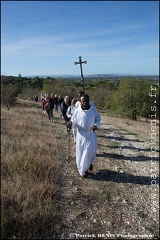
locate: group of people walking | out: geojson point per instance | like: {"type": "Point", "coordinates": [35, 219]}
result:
{"type": "Point", "coordinates": [84, 119]}
{"type": "Point", "coordinates": [51, 102]}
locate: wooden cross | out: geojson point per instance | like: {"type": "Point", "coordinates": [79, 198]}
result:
{"type": "Point", "coordinates": [80, 62]}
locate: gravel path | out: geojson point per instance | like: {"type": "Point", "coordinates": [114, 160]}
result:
{"type": "Point", "coordinates": [120, 198]}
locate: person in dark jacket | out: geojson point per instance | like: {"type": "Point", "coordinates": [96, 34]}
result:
{"type": "Point", "coordinates": [56, 102]}
{"type": "Point", "coordinates": [35, 98]}
{"type": "Point", "coordinates": [60, 101]}
{"type": "Point", "coordinates": [51, 101]}
{"type": "Point", "coordinates": [64, 107]}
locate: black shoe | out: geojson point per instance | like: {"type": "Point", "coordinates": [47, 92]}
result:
{"type": "Point", "coordinates": [91, 167]}
{"type": "Point", "coordinates": [85, 174]}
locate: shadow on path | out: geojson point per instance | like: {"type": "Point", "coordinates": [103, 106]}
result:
{"type": "Point", "coordinates": [120, 138]}
{"type": "Point", "coordinates": [106, 175]}
{"type": "Point", "coordinates": [131, 158]}
{"type": "Point", "coordinates": [127, 147]}
{"type": "Point", "coordinates": [130, 147]}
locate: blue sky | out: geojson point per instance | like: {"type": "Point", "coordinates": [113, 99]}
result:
{"type": "Point", "coordinates": [47, 37]}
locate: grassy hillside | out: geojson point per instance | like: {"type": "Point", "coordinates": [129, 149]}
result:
{"type": "Point", "coordinates": [43, 195]}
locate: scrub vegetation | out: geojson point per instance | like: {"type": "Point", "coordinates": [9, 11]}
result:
{"type": "Point", "coordinates": [126, 96]}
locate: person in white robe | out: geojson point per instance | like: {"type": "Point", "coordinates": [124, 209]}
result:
{"type": "Point", "coordinates": [86, 119]}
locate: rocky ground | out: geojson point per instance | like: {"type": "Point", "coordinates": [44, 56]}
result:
{"type": "Point", "coordinates": [120, 197]}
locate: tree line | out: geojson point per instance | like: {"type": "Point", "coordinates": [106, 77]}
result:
{"type": "Point", "coordinates": [127, 97]}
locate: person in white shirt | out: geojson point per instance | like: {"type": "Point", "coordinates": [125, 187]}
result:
{"type": "Point", "coordinates": [71, 109]}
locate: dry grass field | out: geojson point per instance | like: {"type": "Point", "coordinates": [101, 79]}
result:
{"type": "Point", "coordinates": [43, 196]}
{"type": "Point", "coordinates": [30, 169]}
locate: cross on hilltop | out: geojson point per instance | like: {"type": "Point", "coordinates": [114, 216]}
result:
{"type": "Point", "coordinates": [80, 63]}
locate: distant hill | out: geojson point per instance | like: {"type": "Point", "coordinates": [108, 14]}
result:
{"type": "Point", "coordinates": [95, 76]}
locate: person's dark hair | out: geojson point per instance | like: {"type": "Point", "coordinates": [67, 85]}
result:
{"type": "Point", "coordinates": [80, 94]}
{"type": "Point", "coordinates": [85, 96]}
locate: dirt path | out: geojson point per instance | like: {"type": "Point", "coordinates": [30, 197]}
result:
{"type": "Point", "coordinates": [119, 199]}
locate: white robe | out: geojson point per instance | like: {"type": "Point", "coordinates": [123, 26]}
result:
{"type": "Point", "coordinates": [86, 140]}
